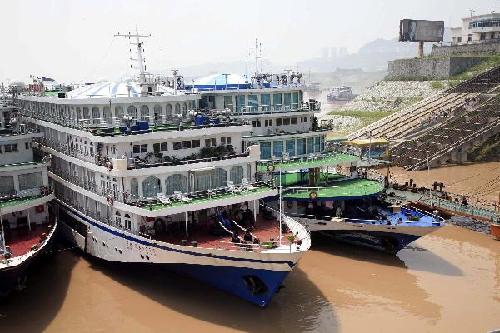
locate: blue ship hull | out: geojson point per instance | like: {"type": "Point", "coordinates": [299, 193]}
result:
{"type": "Point", "coordinates": [384, 241]}
{"type": "Point", "coordinates": [253, 285]}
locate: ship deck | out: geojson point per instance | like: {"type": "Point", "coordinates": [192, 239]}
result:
{"type": "Point", "coordinates": [21, 241]}
{"type": "Point", "coordinates": [265, 230]}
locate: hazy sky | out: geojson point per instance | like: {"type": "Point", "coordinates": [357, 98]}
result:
{"type": "Point", "coordinates": [73, 40]}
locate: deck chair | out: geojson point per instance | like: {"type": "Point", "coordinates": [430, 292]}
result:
{"type": "Point", "coordinates": [163, 198]}
{"type": "Point", "coordinates": [232, 188]}
{"type": "Point", "coordinates": [245, 185]}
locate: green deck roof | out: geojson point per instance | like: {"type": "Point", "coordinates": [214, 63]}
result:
{"type": "Point", "coordinates": [344, 190]}
{"type": "Point", "coordinates": [293, 178]}
{"type": "Point", "coordinates": [306, 163]}
{"type": "Point", "coordinates": [18, 201]}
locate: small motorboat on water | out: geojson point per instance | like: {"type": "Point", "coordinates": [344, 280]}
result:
{"type": "Point", "coordinates": [353, 211]}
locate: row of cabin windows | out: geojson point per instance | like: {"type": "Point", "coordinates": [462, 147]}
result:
{"type": "Point", "coordinates": [10, 148]}
{"type": "Point", "coordinates": [294, 147]}
{"type": "Point", "coordinates": [202, 181]}
{"type": "Point", "coordinates": [95, 112]}
{"type": "Point", "coordinates": [280, 101]}
{"type": "Point", "coordinates": [279, 122]}
{"type": "Point", "coordinates": [163, 146]}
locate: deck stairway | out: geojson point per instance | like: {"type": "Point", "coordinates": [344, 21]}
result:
{"type": "Point", "coordinates": [443, 127]}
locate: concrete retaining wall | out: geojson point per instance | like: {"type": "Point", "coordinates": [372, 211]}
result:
{"type": "Point", "coordinates": [429, 68]}
{"type": "Point", "coordinates": [480, 49]}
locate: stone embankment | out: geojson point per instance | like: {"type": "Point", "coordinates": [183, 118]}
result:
{"type": "Point", "coordinates": [391, 95]}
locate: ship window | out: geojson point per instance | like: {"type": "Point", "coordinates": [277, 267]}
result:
{"type": "Point", "coordinates": [195, 143]}
{"type": "Point", "coordinates": [290, 147]}
{"type": "Point", "coordinates": [134, 187]}
{"type": "Point", "coordinates": [301, 146]}
{"type": "Point", "coordinates": [176, 182]}
{"type": "Point", "coordinates": [95, 114]}
{"type": "Point", "coordinates": [228, 102]}
{"type": "Point", "coordinates": [106, 113]}
{"type": "Point", "coordinates": [151, 186]}
{"type": "Point", "coordinates": [317, 144]}
{"type": "Point", "coordinates": [294, 120]}
{"type": "Point", "coordinates": [156, 147]}
{"type": "Point", "coordinates": [295, 100]}
{"type": "Point", "coordinates": [310, 145]}
{"type": "Point", "coordinates": [9, 148]}
{"type": "Point", "coordinates": [236, 174]}
{"type": "Point", "coordinates": [277, 101]}
{"type": "Point", "coordinates": [256, 123]}
{"type": "Point", "coordinates": [169, 111]}
{"type": "Point", "coordinates": [164, 146]}
{"type": "Point", "coordinates": [287, 101]}
{"type": "Point", "coordinates": [119, 112]}
{"type": "Point", "coordinates": [30, 181]}
{"type": "Point", "coordinates": [86, 113]}
{"type": "Point", "coordinates": [286, 121]}
{"type": "Point", "coordinates": [240, 103]}
{"type": "Point", "coordinates": [158, 110]}
{"type": "Point", "coordinates": [177, 145]}
{"type": "Point", "coordinates": [277, 148]}
{"type": "Point", "coordinates": [252, 103]}
{"type": "Point", "coordinates": [7, 185]}
{"type": "Point", "coordinates": [144, 112]}
{"type": "Point", "coordinates": [118, 220]}
{"type": "Point", "coordinates": [265, 150]}
{"type": "Point", "coordinates": [186, 144]}
{"type": "Point", "coordinates": [265, 102]}
{"type": "Point", "coordinates": [128, 222]}
{"type": "Point", "coordinates": [132, 111]}
{"type": "Point", "coordinates": [279, 122]}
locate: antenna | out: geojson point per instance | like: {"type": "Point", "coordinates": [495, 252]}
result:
{"type": "Point", "coordinates": [472, 12]}
{"type": "Point", "coordinates": [257, 53]}
{"type": "Point", "coordinates": [138, 43]}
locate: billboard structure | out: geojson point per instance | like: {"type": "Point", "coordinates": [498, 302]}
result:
{"type": "Point", "coordinates": [420, 31]}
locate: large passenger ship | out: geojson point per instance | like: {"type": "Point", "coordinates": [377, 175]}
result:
{"type": "Point", "coordinates": [26, 227]}
{"type": "Point", "coordinates": [141, 175]}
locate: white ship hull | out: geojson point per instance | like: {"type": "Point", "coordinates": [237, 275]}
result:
{"type": "Point", "coordinates": [254, 276]}
{"type": "Point", "coordinates": [389, 238]}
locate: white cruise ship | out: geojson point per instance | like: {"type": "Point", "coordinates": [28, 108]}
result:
{"type": "Point", "coordinates": [140, 176]}
{"type": "Point", "coordinates": [26, 227]}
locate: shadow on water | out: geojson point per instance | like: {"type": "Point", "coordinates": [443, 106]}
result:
{"type": "Point", "coordinates": [420, 259]}
{"type": "Point", "coordinates": [33, 308]}
{"type": "Point", "coordinates": [376, 275]}
{"type": "Point", "coordinates": [299, 307]}
{"type": "Point", "coordinates": [412, 257]}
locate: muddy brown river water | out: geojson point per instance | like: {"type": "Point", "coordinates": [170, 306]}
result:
{"type": "Point", "coordinates": [448, 281]}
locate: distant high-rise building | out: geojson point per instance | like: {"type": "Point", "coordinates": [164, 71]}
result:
{"type": "Point", "coordinates": [333, 52]}
{"type": "Point", "coordinates": [342, 51]}
{"type": "Point", "coordinates": [324, 52]}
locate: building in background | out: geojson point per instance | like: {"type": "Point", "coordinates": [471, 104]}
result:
{"type": "Point", "coordinates": [476, 29]}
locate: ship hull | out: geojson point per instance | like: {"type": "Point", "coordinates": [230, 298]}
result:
{"type": "Point", "coordinates": [381, 241]}
{"type": "Point", "coordinates": [15, 276]}
{"type": "Point", "coordinates": [252, 276]}
{"type": "Point", "coordinates": [386, 238]}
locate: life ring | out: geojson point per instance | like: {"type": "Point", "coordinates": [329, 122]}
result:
{"type": "Point", "coordinates": [110, 200]}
